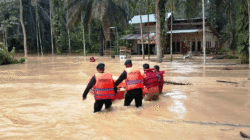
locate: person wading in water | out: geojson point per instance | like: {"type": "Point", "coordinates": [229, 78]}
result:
{"type": "Point", "coordinates": [104, 88]}
{"type": "Point", "coordinates": [151, 83]}
{"type": "Point", "coordinates": [134, 84]}
{"type": "Point", "coordinates": [160, 77]}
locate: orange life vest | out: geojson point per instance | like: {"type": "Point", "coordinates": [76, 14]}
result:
{"type": "Point", "coordinates": [104, 86]}
{"type": "Point", "coordinates": [134, 78]}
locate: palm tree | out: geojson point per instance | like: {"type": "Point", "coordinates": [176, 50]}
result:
{"type": "Point", "coordinates": [158, 31]}
{"type": "Point", "coordinates": [142, 39]}
{"type": "Point", "coordinates": [109, 12]}
{"type": "Point", "coordinates": [24, 31]}
{"type": "Point", "coordinates": [249, 36]}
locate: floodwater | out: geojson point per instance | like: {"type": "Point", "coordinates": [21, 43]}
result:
{"type": "Point", "coordinates": [42, 99]}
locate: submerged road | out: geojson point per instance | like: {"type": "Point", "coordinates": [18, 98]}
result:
{"type": "Point", "coordinates": [41, 99]}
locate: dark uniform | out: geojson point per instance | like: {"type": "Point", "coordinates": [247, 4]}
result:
{"type": "Point", "coordinates": [98, 103]}
{"type": "Point", "coordinates": [131, 94]}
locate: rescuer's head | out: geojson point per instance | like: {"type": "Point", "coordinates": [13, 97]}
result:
{"type": "Point", "coordinates": [128, 63]}
{"type": "Point", "coordinates": [145, 66]}
{"type": "Point", "coordinates": [100, 67]}
{"type": "Point", "coordinates": [157, 68]}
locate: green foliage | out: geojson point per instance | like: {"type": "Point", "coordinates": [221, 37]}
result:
{"type": "Point", "coordinates": [8, 57]}
{"type": "Point", "coordinates": [22, 60]}
{"type": "Point", "coordinates": [224, 50]}
{"type": "Point", "coordinates": [230, 56]}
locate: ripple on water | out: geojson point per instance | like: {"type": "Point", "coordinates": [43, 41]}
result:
{"type": "Point", "coordinates": [178, 106]}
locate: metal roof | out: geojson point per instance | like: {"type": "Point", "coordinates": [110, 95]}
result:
{"type": "Point", "coordinates": [138, 36]}
{"type": "Point", "coordinates": [185, 31]}
{"type": "Point", "coordinates": [136, 19]}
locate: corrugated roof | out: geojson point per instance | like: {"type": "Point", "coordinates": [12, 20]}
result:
{"type": "Point", "coordinates": [185, 31]}
{"type": "Point", "coordinates": [136, 19]}
{"type": "Point", "coordinates": [138, 36]}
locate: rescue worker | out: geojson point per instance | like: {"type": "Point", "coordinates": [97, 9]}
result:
{"type": "Point", "coordinates": [160, 77]}
{"type": "Point", "coordinates": [104, 89]}
{"type": "Point", "coordinates": [151, 83]}
{"type": "Point", "coordinates": [134, 84]}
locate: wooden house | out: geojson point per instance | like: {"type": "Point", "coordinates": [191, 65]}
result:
{"type": "Point", "coordinates": [187, 35]}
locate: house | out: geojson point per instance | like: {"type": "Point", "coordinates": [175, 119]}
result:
{"type": "Point", "coordinates": [187, 35]}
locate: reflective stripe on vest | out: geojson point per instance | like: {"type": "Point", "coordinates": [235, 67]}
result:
{"type": "Point", "coordinates": [104, 87]}
{"type": "Point", "coordinates": [131, 82]}
{"type": "Point", "coordinates": [134, 79]}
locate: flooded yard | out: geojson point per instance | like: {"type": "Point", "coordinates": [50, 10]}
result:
{"type": "Point", "coordinates": [42, 99]}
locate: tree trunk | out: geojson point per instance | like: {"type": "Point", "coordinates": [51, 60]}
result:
{"type": "Point", "coordinates": [37, 30]}
{"type": "Point", "coordinates": [204, 38]}
{"type": "Point", "coordinates": [40, 38]}
{"type": "Point", "coordinates": [101, 42]}
{"type": "Point", "coordinates": [141, 35]}
{"type": "Point", "coordinates": [83, 39]}
{"type": "Point", "coordinates": [69, 42]}
{"type": "Point", "coordinates": [171, 35]}
{"type": "Point", "coordinates": [158, 31]}
{"type": "Point", "coordinates": [4, 43]}
{"type": "Point", "coordinates": [148, 34]}
{"type": "Point", "coordinates": [249, 36]}
{"type": "Point", "coordinates": [24, 31]}
{"type": "Point", "coordinates": [6, 36]}
{"type": "Point", "coordinates": [89, 27]}
{"type": "Point", "coordinates": [51, 29]}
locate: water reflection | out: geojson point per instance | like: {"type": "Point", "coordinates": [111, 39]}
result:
{"type": "Point", "coordinates": [178, 106]}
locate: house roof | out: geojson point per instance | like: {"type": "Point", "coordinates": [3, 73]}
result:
{"type": "Point", "coordinates": [138, 36]}
{"type": "Point", "coordinates": [136, 19]}
{"type": "Point", "coordinates": [185, 31]}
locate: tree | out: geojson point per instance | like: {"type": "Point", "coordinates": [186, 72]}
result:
{"type": "Point", "coordinates": [142, 39]}
{"type": "Point", "coordinates": [249, 37]}
{"type": "Point", "coordinates": [109, 12]}
{"type": "Point", "coordinates": [158, 31]}
{"type": "Point", "coordinates": [204, 32]}
{"type": "Point", "coordinates": [24, 31]}
{"type": "Point", "coordinates": [51, 28]}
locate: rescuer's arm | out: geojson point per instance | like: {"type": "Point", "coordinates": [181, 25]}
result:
{"type": "Point", "coordinates": [121, 78]}
{"type": "Point", "coordinates": [115, 89]}
{"type": "Point", "coordinates": [90, 85]}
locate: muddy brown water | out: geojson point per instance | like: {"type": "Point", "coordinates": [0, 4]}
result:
{"type": "Point", "coordinates": [41, 99]}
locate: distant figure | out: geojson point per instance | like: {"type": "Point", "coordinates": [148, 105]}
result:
{"type": "Point", "coordinates": [151, 83]}
{"type": "Point", "coordinates": [134, 84]}
{"type": "Point", "coordinates": [104, 89]}
{"type": "Point", "coordinates": [92, 59]}
{"type": "Point", "coordinates": [160, 77]}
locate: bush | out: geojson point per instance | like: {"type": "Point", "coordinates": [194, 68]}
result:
{"type": "Point", "coordinates": [9, 57]}
{"type": "Point", "coordinates": [230, 56]}
{"type": "Point", "coordinates": [22, 60]}
{"type": "Point", "coordinates": [224, 50]}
